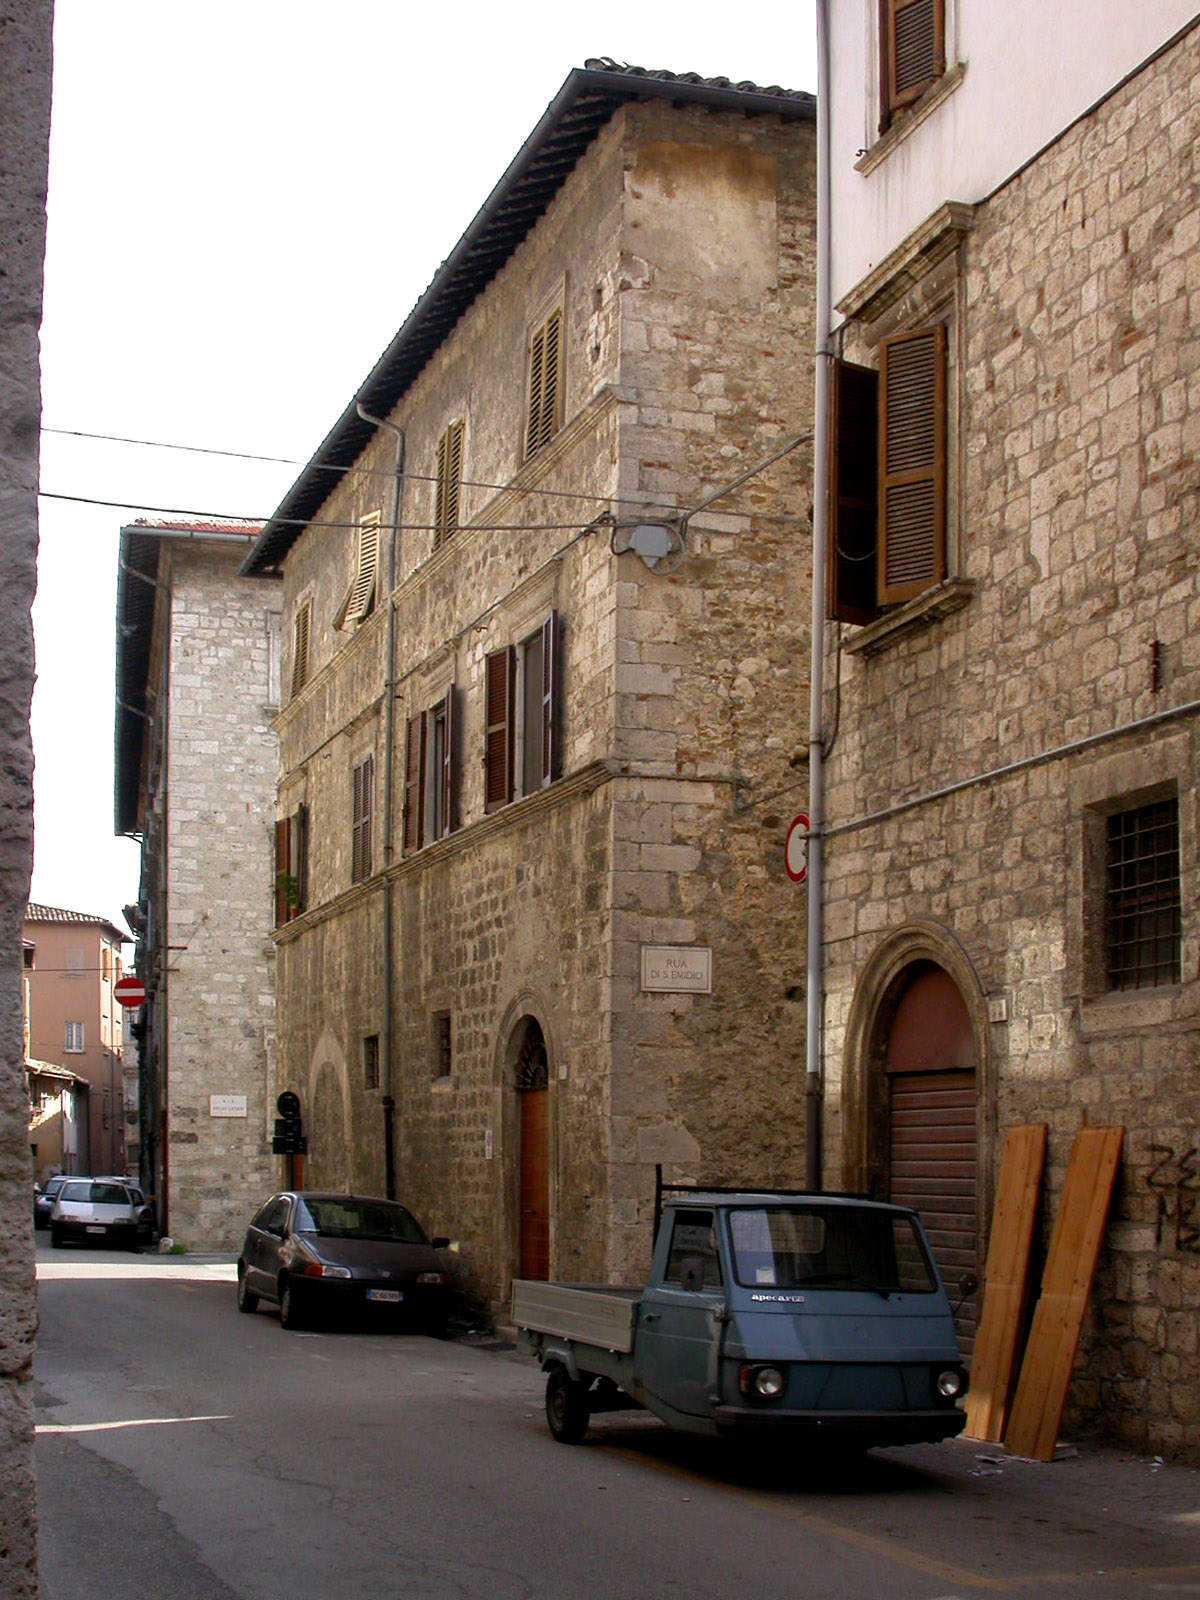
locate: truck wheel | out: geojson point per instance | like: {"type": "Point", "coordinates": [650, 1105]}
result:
{"type": "Point", "coordinates": [567, 1409]}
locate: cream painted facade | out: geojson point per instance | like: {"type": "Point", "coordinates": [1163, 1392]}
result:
{"type": "Point", "coordinates": [1010, 924]}
{"type": "Point", "coordinates": [525, 1078]}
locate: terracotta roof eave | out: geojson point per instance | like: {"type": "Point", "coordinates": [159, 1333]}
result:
{"type": "Point", "coordinates": [586, 101]}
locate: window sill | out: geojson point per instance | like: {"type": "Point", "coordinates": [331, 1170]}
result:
{"type": "Point", "coordinates": [1128, 1010]}
{"type": "Point", "coordinates": [928, 608]}
{"type": "Point", "coordinates": [911, 119]}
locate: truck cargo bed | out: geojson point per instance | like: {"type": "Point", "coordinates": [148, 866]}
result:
{"type": "Point", "coordinates": [598, 1314]}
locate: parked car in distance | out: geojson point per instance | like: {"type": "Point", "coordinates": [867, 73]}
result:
{"type": "Point", "coordinates": [341, 1254]}
{"type": "Point", "coordinates": [88, 1209]}
{"type": "Point", "coordinates": [44, 1198]}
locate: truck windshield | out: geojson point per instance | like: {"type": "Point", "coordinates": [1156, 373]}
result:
{"type": "Point", "coordinates": [829, 1247]}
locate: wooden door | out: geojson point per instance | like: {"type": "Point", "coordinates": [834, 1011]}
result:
{"type": "Point", "coordinates": [933, 1141]}
{"type": "Point", "coordinates": [534, 1196]}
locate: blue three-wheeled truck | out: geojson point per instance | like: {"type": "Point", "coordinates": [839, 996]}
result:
{"type": "Point", "coordinates": [763, 1312]}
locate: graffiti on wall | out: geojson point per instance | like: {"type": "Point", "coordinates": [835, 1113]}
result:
{"type": "Point", "coordinates": [1175, 1181]}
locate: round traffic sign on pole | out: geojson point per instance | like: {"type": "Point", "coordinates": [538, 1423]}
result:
{"type": "Point", "coordinates": [795, 852]}
{"type": "Point", "coordinates": [129, 991]}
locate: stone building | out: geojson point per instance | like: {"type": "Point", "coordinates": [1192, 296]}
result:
{"type": "Point", "coordinates": [197, 692]}
{"type": "Point", "coordinates": [76, 1022]}
{"type": "Point", "coordinates": [1011, 933]}
{"type": "Point", "coordinates": [25, 118]}
{"type": "Point", "coordinates": [538, 750]}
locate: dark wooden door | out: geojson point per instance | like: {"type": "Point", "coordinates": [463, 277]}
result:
{"type": "Point", "coordinates": [534, 1200]}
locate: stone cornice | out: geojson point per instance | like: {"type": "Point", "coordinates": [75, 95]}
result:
{"type": "Point", "coordinates": [904, 267]}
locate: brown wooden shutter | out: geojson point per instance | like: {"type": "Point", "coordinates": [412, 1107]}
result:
{"type": "Point", "coordinates": [448, 821]}
{"type": "Point", "coordinates": [912, 463]}
{"type": "Point", "coordinates": [498, 749]}
{"type": "Point", "coordinates": [913, 50]}
{"type": "Point", "coordinates": [414, 783]}
{"type": "Point", "coordinates": [299, 858]}
{"type": "Point", "coordinates": [551, 645]}
{"type": "Point", "coordinates": [545, 383]}
{"type": "Point", "coordinates": [283, 828]}
{"type": "Point", "coordinates": [360, 855]}
{"type": "Point", "coordinates": [449, 476]}
{"type": "Point", "coordinates": [300, 631]}
{"type": "Point", "coordinates": [851, 568]}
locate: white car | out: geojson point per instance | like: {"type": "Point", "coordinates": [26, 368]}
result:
{"type": "Point", "coordinates": [100, 1209]}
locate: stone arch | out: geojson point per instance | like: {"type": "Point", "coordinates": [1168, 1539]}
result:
{"type": "Point", "coordinates": [910, 954]}
{"type": "Point", "coordinates": [328, 1120]}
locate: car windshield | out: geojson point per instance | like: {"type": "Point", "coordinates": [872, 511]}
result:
{"type": "Point", "coordinates": [358, 1219]}
{"type": "Point", "coordinates": [829, 1247]}
{"type": "Point", "coordinates": [75, 1191]}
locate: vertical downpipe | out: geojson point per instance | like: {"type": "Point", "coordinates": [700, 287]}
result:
{"type": "Point", "coordinates": [813, 1044]}
{"type": "Point", "coordinates": [385, 1034]}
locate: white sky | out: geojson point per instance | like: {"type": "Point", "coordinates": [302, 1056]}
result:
{"type": "Point", "coordinates": [247, 197]}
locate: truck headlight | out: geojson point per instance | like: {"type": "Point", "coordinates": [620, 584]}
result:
{"type": "Point", "coordinates": [767, 1383]}
{"type": "Point", "coordinates": [949, 1383]}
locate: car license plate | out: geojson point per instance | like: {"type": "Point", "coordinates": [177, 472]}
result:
{"type": "Point", "coordinates": [392, 1296]}
{"type": "Point", "coordinates": [93, 1227]}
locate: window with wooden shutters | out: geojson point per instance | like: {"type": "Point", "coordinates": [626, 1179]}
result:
{"type": "Point", "coordinates": [912, 51]}
{"type": "Point", "coordinates": [301, 628]}
{"type": "Point", "coordinates": [544, 415]}
{"type": "Point", "coordinates": [443, 766]}
{"type": "Point", "coordinates": [359, 601]}
{"type": "Point", "coordinates": [363, 797]}
{"type": "Point", "coordinates": [449, 477]}
{"type": "Point", "coordinates": [853, 528]}
{"type": "Point", "coordinates": [912, 463]}
{"type": "Point", "coordinates": [414, 783]}
{"type": "Point", "coordinates": [500, 675]}
{"type": "Point", "coordinates": [548, 733]}
{"type": "Point", "coordinates": [291, 865]}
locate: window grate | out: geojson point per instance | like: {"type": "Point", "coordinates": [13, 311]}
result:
{"type": "Point", "coordinates": [1143, 916]}
{"type": "Point", "coordinates": [371, 1061]}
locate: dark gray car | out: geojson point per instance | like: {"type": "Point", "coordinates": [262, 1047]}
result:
{"type": "Point", "coordinates": [318, 1254]}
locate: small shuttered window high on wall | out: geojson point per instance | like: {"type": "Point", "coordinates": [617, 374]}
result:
{"type": "Point", "coordinates": [912, 463]}
{"type": "Point", "coordinates": [500, 680]}
{"type": "Point", "coordinates": [912, 51]}
{"type": "Point", "coordinates": [359, 601]}
{"type": "Point", "coordinates": [301, 627]}
{"type": "Point", "coordinates": [449, 476]}
{"type": "Point", "coordinates": [544, 415]}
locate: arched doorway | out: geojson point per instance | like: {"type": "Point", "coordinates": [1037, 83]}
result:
{"type": "Point", "coordinates": [931, 1067]}
{"type": "Point", "coordinates": [533, 1135]}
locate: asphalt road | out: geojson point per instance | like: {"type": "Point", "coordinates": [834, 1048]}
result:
{"type": "Point", "coordinates": [186, 1452]}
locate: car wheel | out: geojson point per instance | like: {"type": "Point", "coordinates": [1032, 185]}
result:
{"type": "Point", "coordinates": [289, 1311]}
{"type": "Point", "coordinates": [567, 1409]}
{"type": "Point", "coordinates": [246, 1298]}
{"type": "Point", "coordinates": [56, 1238]}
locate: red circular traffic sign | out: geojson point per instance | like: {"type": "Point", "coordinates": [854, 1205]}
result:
{"type": "Point", "coordinates": [129, 991]}
{"type": "Point", "coordinates": [795, 851]}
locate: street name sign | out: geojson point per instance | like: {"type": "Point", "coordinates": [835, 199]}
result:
{"type": "Point", "coordinates": [676, 969]}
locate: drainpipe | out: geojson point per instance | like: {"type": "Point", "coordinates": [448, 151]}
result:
{"type": "Point", "coordinates": [814, 1076]}
{"type": "Point", "coordinates": [385, 1033]}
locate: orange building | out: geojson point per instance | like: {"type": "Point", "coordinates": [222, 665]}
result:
{"type": "Point", "coordinates": [74, 1021]}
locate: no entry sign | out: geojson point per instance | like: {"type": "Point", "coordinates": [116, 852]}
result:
{"type": "Point", "coordinates": [129, 991]}
{"type": "Point", "coordinates": [795, 855]}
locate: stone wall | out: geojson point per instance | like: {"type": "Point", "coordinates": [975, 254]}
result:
{"type": "Point", "coordinates": [1077, 439]}
{"type": "Point", "coordinates": [221, 765]}
{"type": "Point", "coordinates": [25, 116]}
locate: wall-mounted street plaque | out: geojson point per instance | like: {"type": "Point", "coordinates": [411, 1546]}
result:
{"type": "Point", "coordinates": [677, 969]}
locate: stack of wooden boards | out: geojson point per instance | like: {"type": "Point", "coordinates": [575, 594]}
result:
{"type": "Point", "coordinates": [1027, 1421]}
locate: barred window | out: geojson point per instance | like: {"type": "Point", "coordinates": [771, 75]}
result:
{"type": "Point", "coordinates": [1142, 909]}
{"type": "Point", "coordinates": [371, 1061]}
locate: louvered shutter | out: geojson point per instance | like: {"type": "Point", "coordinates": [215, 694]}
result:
{"type": "Point", "coordinates": [283, 829]}
{"type": "Point", "coordinates": [498, 749]}
{"type": "Point", "coordinates": [298, 858]}
{"type": "Point", "coordinates": [453, 475]}
{"type": "Point", "coordinates": [362, 595]}
{"type": "Point", "coordinates": [414, 783]}
{"type": "Point", "coordinates": [853, 531]}
{"type": "Point", "coordinates": [551, 647]}
{"type": "Point", "coordinates": [545, 383]}
{"type": "Point", "coordinates": [912, 464]}
{"type": "Point", "coordinates": [300, 632]}
{"type": "Point", "coordinates": [914, 50]}
{"type": "Point", "coordinates": [360, 855]}
{"type": "Point", "coordinates": [448, 821]}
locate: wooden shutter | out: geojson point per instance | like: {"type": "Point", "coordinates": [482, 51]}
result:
{"type": "Point", "coordinates": [283, 909]}
{"type": "Point", "coordinates": [364, 784]}
{"type": "Point", "coordinates": [299, 858]}
{"type": "Point", "coordinates": [498, 749]}
{"type": "Point", "coordinates": [912, 463]}
{"type": "Point", "coordinates": [448, 821]}
{"type": "Point", "coordinates": [291, 865]}
{"type": "Point", "coordinates": [851, 569]}
{"type": "Point", "coordinates": [414, 783]}
{"type": "Point", "coordinates": [913, 51]}
{"type": "Point", "coordinates": [362, 594]}
{"type": "Point", "coordinates": [449, 476]}
{"type": "Point", "coordinates": [301, 626]}
{"type": "Point", "coordinates": [545, 383]}
{"type": "Point", "coordinates": [551, 642]}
